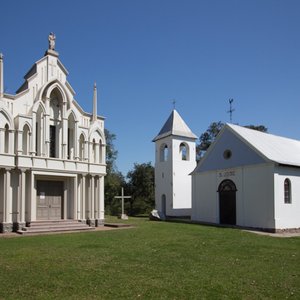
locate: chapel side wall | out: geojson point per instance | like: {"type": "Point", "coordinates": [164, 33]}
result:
{"type": "Point", "coordinates": [204, 197]}
{"type": "Point", "coordinates": [257, 197]}
{"type": "Point", "coordinates": [287, 215]}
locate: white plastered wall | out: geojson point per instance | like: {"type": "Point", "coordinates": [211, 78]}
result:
{"type": "Point", "coordinates": [254, 196]}
{"type": "Point", "coordinates": [287, 215]}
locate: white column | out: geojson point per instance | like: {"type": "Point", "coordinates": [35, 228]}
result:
{"type": "Point", "coordinates": [66, 198]}
{"type": "Point", "coordinates": [79, 197]}
{"type": "Point", "coordinates": [33, 135]}
{"type": "Point", "coordinates": [75, 195]}
{"type": "Point", "coordinates": [97, 182]}
{"type": "Point", "coordinates": [7, 212]}
{"type": "Point", "coordinates": [22, 196]}
{"type": "Point", "coordinates": [2, 138]}
{"type": "Point", "coordinates": [47, 127]}
{"type": "Point", "coordinates": [83, 193]}
{"type": "Point", "coordinates": [89, 196]}
{"type": "Point", "coordinates": [101, 198]}
{"type": "Point", "coordinates": [76, 142]}
{"type": "Point", "coordinates": [20, 141]}
{"type": "Point", "coordinates": [92, 201]}
{"type": "Point", "coordinates": [65, 131]}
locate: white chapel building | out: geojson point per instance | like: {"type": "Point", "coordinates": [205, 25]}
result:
{"type": "Point", "coordinates": [246, 178]}
{"type": "Point", "coordinates": [52, 153]}
{"type": "Point", "coordinates": [250, 179]}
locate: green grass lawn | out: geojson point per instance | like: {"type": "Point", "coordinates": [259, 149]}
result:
{"type": "Point", "coordinates": [154, 260]}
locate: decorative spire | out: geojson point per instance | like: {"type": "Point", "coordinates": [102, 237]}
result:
{"type": "Point", "coordinates": [95, 103]}
{"type": "Point", "coordinates": [1, 76]}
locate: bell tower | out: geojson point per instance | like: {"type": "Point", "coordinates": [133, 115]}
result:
{"type": "Point", "coordinates": [175, 159]}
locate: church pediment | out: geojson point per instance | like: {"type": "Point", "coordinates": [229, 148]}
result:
{"type": "Point", "coordinates": [229, 151]}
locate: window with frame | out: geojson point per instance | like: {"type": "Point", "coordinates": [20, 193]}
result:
{"type": "Point", "coordinates": [287, 191]}
{"type": "Point", "coordinates": [164, 153]}
{"type": "Point", "coordinates": [184, 151]}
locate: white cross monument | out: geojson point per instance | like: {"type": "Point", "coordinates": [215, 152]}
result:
{"type": "Point", "coordinates": [123, 215]}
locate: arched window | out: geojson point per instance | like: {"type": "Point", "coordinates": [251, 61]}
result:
{"type": "Point", "coordinates": [101, 158]}
{"type": "Point", "coordinates": [56, 125]}
{"type": "Point", "coordinates": [184, 151]}
{"type": "Point", "coordinates": [164, 152]}
{"type": "Point", "coordinates": [39, 132]}
{"type": "Point", "coordinates": [94, 153]}
{"type": "Point", "coordinates": [71, 137]}
{"type": "Point", "coordinates": [25, 140]}
{"type": "Point", "coordinates": [6, 139]}
{"type": "Point", "coordinates": [287, 191]}
{"type": "Point", "coordinates": [81, 147]}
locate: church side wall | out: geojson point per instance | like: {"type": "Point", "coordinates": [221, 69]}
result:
{"type": "Point", "coordinates": [205, 197]}
{"type": "Point", "coordinates": [258, 197]}
{"type": "Point", "coordinates": [287, 215]}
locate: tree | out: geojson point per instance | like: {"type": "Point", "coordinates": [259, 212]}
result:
{"type": "Point", "coordinates": [208, 137]}
{"type": "Point", "coordinates": [114, 180]}
{"type": "Point", "coordinates": [111, 152]}
{"type": "Point", "coordinates": [141, 188]}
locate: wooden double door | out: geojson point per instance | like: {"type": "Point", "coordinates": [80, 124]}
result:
{"type": "Point", "coordinates": [49, 200]}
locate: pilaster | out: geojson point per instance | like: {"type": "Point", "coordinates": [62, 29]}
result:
{"type": "Point", "coordinates": [6, 225]}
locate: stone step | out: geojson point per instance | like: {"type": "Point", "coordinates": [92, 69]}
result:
{"type": "Point", "coordinates": [54, 222]}
{"type": "Point", "coordinates": [55, 226]}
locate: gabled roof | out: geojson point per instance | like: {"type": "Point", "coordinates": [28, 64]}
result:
{"type": "Point", "coordinates": [275, 148]}
{"type": "Point", "coordinates": [175, 126]}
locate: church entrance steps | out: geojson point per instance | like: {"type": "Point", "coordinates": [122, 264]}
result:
{"type": "Point", "coordinates": [55, 226]}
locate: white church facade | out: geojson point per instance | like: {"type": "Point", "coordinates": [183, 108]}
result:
{"type": "Point", "coordinates": [52, 153]}
{"type": "Point", "coordinates": [246, 178]}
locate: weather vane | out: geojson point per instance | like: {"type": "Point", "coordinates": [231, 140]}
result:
{"type": "Point", "coordinates": [174, 103]}
{"type": "Point", "coordinates": [231, 110]}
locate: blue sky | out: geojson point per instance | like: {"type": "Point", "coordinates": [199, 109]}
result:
{"type": "Point", "coordinates": [143, 54]}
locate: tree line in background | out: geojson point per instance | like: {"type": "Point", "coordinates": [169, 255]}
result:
{"type": "Point", "coordinates": [139, 182]}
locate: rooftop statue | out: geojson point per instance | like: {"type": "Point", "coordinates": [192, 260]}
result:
{"type": "Point", "coordinates": [51, 39]}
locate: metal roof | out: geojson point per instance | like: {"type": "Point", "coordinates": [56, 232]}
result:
{"type": "Point", "coordinates": [279, 149]}
{"type": "Point", "coordinates": [175, 126]}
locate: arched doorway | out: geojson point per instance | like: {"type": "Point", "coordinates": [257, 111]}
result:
{"type": "Point", "coordinates": [227, 202]}
{"type": "Point", "coordinates": [163, 204]}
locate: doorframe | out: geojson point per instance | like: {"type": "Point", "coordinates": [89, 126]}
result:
{"type": "Point", "coordinates": [227, 186]}
{"type": "Point", "coordinates": [31, 214]}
